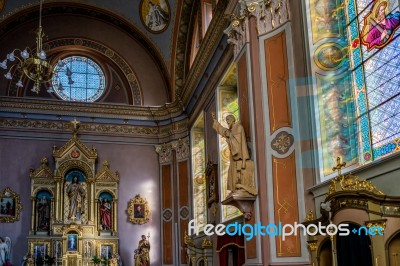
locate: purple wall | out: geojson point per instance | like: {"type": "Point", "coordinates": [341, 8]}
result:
{"type": "Point", "coordinates": [139, 173]}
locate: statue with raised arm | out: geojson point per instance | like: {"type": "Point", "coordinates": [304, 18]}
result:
{"type": "Point", "coordinates": [241, 168]}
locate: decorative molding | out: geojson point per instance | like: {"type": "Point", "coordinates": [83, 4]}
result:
{"type": "Point", "coordinates": [43, 172]}
{"type": "Point", "coordinates": [238, 33]}
{"type": "Point", "coordinates": [352, 183]}
{"type": "Point", "coordinates": [182, 148]}
{"type": "Point", "coordinates": [269, 14]}
{"type": "Point", "coordinates": [106, 175]}
{"type": "Point", "coordinates": [164, 153]}
{"type": "Point", "coordinates": [167, 215]}
{"type": "Point", "coordinates": [378, 224]}
{"type": "Point", "coordinates": [312, 245]}
{"type": "Point", "coordinates": [282, 142]}
{"type": "Point", "coordinates": [184, 212]}
{"type": "Point", "coordinates": [156, 113]}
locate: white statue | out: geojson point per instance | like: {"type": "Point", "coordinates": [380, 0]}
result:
{"type": "Point", "coordinates": [5, 250]}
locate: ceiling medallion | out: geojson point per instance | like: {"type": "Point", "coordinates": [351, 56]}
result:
{"type": "Point", "coordinates": [155, 15]}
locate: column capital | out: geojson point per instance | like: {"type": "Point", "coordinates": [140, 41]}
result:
{"type": "Point", "coordinates": [182, 148]}
{"type": "Point", "coordinates": [164, 153]}
{"type": "Point", "coordinates": [269, 15]}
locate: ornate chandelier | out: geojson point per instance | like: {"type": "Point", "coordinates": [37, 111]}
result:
{"type": "Point", "coordinates": [31, 62]}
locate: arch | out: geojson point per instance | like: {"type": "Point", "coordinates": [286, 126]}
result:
{"type": "Point", "coordinates": [71, 164]}
{"type": "Point", "coordinates": [353, 249]}
{"type": "Point", "coordinates": [38, 189]}
{"type": "Point", "coordinates": [98, 193]}
{"type": "Point", "coordinates": [392, 248]}
{"type": "Point", "coordinates": [30, 13]}
{"type": "Point", "coordinates": [324, 253]}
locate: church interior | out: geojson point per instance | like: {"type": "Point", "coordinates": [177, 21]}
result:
{"type": "Point", "coordinates": [205, 132]}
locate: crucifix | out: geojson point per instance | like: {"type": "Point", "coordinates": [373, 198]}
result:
{"type": "Point", "coordinates": [339, 166]}
{"type": "Point", "coordinates": [75, 124]}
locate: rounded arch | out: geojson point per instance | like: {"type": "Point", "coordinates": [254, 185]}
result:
{"type": "Point", "coordinates": [98, 193]}
{"type": "Point", "coordinates": [324, 252]}
{"type": "Point", "coordinates": [149, 53]}
{"type": "Point", "coordinates": [39, 189]}
{"type": "Point", "coordinates": [74, 164]}
{"type": "Point", "coordinates": [392, 248]}
{"type": "Point", "coordinates": [353, 249]}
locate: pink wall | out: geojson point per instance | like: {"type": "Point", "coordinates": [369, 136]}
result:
{"type": "Point", "coordinates": [138, 168]}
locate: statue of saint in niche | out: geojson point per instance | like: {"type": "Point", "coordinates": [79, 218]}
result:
{"type": "Point", "coordinates": [105, 214]}
{"type": "Point", "coordinates": [241, 168]}
{"type": "Point", "coordinates": [43, 209]}
{"type": "Point", "coordinates": [76, 194]}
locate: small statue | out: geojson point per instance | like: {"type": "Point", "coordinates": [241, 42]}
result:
{"type": "Point", "coordinates": [5, 250]}
{"type": "Point", "coordinates": [241, 168]}
{"type": "Point", "coordinates": [142, 253]}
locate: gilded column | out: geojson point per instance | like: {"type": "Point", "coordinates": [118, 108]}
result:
{"type": "Point", "coordinates": [33, 226]}
{"type": "Point", "coordinates": [90, 205]}
{"type": "Point", "coordinates": [58, 199]}
{"type": "Point", "coordinates": [115, 224]}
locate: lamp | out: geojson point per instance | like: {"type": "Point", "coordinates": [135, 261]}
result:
{"type": "Point", "coordinates": [31, 63]}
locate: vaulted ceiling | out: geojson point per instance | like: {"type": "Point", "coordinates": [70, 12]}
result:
{"type": "Point", "coordinates": [165, 47]}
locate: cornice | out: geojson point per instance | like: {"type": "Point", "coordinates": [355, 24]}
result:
{"type": "Point", "coordinates": [103, 110]}
{"type": "Point", "coordinates": [159, 134]}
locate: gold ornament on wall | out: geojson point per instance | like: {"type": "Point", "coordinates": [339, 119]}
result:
{"type": "Point", "coordinates": [138, 210]}
{"type": "Point", "coordinates": [10, 206]}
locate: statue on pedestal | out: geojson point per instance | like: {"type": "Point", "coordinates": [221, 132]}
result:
{"type": "Point", "coordinates": [76, 194]}
{"type": "Point", "coordinates": [142, 253]}
{"type": "Point", "coordinates": [241, 168]}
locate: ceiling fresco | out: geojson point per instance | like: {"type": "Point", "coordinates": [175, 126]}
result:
{"type": "Point", "coordinates": [159, 29]}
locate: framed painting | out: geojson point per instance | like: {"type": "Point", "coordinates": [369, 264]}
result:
{"type": "Point", "coordinates": [72, 242]}
{"type": "Point", "coordinates": [106, 251]}
{"type": "Point", "coordinates": [212, 183]}
{"type": "Point", "coordinates": [155, 15]}
{"type": "Point", "coordinates": [138, 210]}
{"type": "Point", "coordinates": [10, 206]}
{"type": "Point", "coordinates": [39, 252]}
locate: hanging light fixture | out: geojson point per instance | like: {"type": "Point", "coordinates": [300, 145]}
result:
{"type": "Point", "coordinates": [31, 63]}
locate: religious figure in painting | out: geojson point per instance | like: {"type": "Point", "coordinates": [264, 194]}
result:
{"type": "Point", "coordinates": [105, 214]}
{"type": "Point", "coordinates": [76, 194]}
{"type": "Point", "coordinates": [43, 214]}
{"type": "Point", "coordinates": [5, 251]}
{"type": "Point", "coordinates": [142, 253]}
{"type": "Point", "coordinates": [379, 25]}
{"type": "Point", "coordinates": [157, 17]}
{"type": "Point", "coordinates": [241, 168]}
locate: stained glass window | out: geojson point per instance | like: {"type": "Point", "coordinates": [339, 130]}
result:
{"type": "Point", "coordinates": [78, 78]}
{"type": "Point", "coordinates": [373, 28]}
{"type": "Point", "coordinates": [198, 173]}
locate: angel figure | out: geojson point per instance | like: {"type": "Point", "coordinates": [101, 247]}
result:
{"type": "Point", "coordinates": [5, 250]}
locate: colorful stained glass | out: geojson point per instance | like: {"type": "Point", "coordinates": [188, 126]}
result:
{"type": "Point", "coordinates": [376, 73]}
{"type": "Point", "coordinates": [78, 78]}
{"type": "Point", "coordinates": [198, 173]}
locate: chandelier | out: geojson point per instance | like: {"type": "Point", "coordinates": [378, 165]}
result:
{"type": "Point", "coordinates": [31, 62]}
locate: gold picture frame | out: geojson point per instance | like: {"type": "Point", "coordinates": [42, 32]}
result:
{"type": "Point", "coordinates": [138, 210]}
{"type": "Point", "coordinates": [10, 206]}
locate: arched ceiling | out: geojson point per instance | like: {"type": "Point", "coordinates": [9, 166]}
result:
{"type": "Point", "coordinates": [128, 10]}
